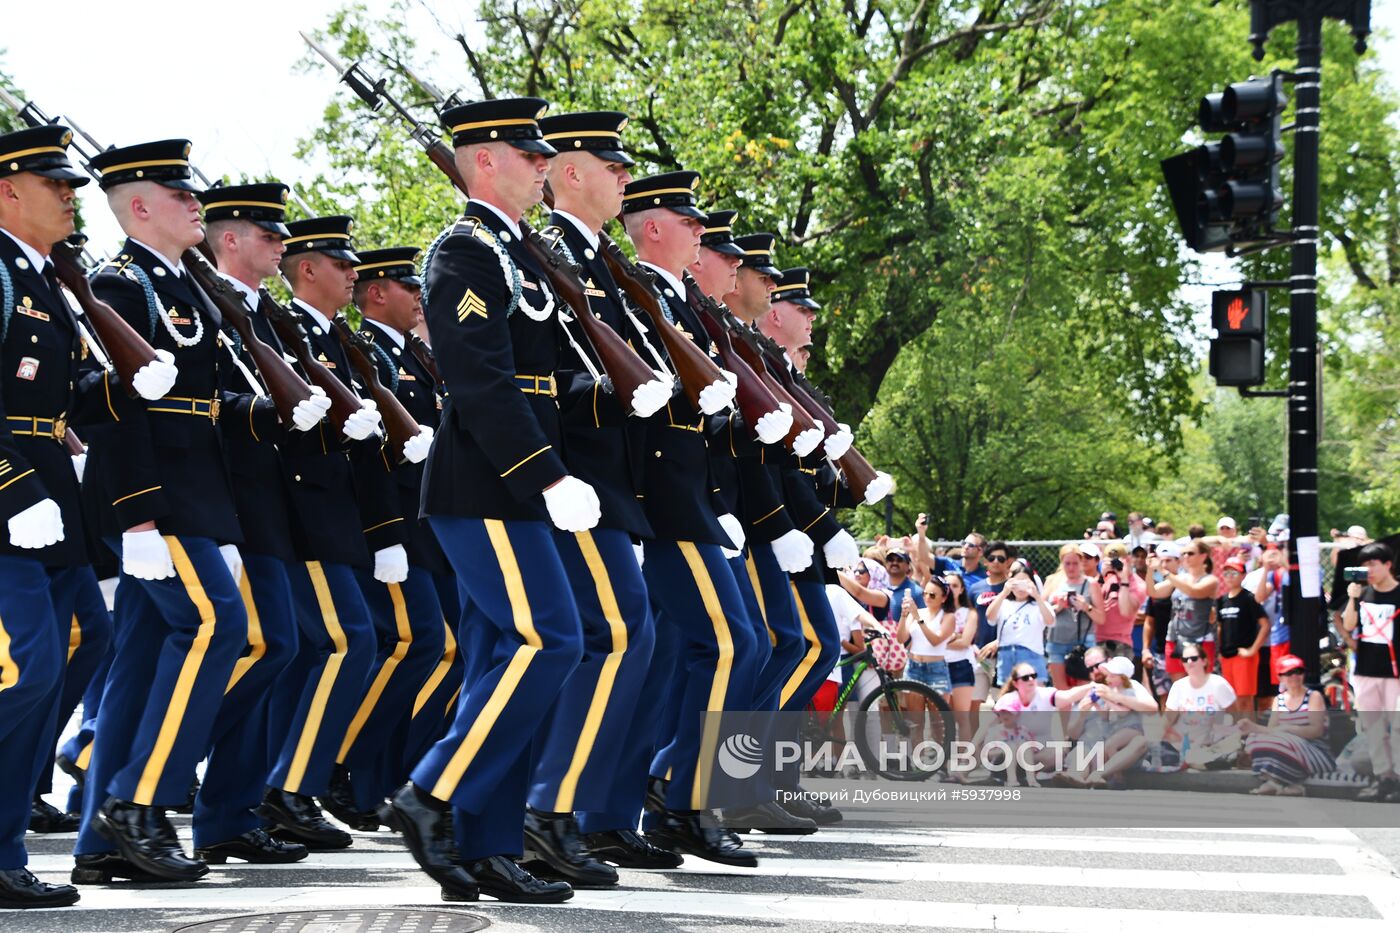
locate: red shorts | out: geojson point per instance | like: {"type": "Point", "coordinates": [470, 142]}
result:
{"type": "Point", "coordinates": [1174, 665]}
{"type": "Point", "coordinates": [1242, 674]}
{"type": "Point", "coordinates": [1276, 652]}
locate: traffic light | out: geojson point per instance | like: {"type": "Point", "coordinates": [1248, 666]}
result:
{"type": "Point", "coordinates": [1237, 350]}
{"type": "Point", "coordinates": [1228, 191]}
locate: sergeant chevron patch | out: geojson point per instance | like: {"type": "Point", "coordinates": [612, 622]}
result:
{"type": "Point", "coordinates": [470, 304]}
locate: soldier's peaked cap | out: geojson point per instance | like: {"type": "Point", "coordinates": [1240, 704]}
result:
{"type": "Point", "coordinates": [42, 150]}
{"type": "Point", "coordinates": [596, 131]}
{"type": "Point", "coordinates": [329, 235]}
{"type": "Point", "coordinates": [758, 252]}
{"type": "Point", "coordinates": [673, 190]}
{"type": "Point", "coordinates": [719, 233]}
{"type": "Point", "coordinates": [513, 120]}
{"type": "Point", "coordinates": [395, 262]}
{"type": "Point", "coordinates": [795, 285]}
{"type": "Point", "coordinates": [165, 161]}
{"type": "Point", "coordinates": [263, 203]}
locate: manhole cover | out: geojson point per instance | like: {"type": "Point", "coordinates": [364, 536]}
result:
{"type": "Point", "coordinates": [344, 921]}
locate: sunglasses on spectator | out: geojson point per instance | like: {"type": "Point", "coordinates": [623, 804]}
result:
{"type": "Point", "coordinates": [968, 544]}
{"type": "Point", "coordinates": [1187, 659]}
{"type": "Point", "coordinates": [1299, 671]}
{"type": "Point", "coordinates": [997, 558]}
{"type": "Point", "coordinates": [862, 569]}
{"type": "Point", "coordinates": [1094, 667]}
{"type": "Point", "coordinates": [1023, 678]}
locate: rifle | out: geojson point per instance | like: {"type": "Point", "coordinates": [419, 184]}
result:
{"type": "Point", "coordinates": [398, 423]}
{"type": "Point", "coordinates": [344, 402]}
{"type": "Point", "coordinates": [424, 354]}
{"type": "Point", "coordinates": [625, 370]}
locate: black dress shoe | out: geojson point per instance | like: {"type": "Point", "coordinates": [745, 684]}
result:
{"type": "Point", "coordinates": [20, 889]}
{"type": "Point", "coordinates": [500, 877]}
{"type": "Point", "coordinates": [254, 846]}
{"type": "Point", "coordinates": [340, 803]}
{"type": "Point", "coordinates": [626, 848]}
{"type": "Point", "coordinates": [188, 805]}
{"type": "Point", "coordinates": [656, 794]}
{"type": "Point", "coordinates": [698, 834]}
{"type": "Point", "coordinates": [106, 867]}
{"type": "Point", "coordinates": [297, 818]}
{"type": "Point", "coordinates": [804, 808]}
{"type": "Point", "coordinates": [70, 767]}
{"type": "Point", "coordinates": [431, 839]}
{"type": "Point", "coordinates": [553, 839]}
{"type": "Point", "coordinates": [768, 817]}
{"type": "Point", "coordinates": [144, 838]}
{"type": "Point", "coordinates": [44, 817]}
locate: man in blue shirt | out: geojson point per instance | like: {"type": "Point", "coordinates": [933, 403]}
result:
{"type": "Point", "coordinates": [897, 563]}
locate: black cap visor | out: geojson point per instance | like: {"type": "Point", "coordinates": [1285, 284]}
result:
{"type": "Point", "coordinates": [613, 155]}
{"type": "Point", "coordinates": [765, 269]}
{"type": "Point", "coordinates": [727, 247]}
{"type": "Point", "coordinates": [537, 146]}
{"type": "Point", "coordinates": [337, 253]}
{"type": "Point", "coordinates": [63, 173]}
{"type": "Point", "coordinates": [685, 210]}
{"type": "Point", "coordinates": [274, 226]}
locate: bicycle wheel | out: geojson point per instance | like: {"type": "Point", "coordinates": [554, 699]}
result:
{"type": "Point", "coordinates": [906, 731]}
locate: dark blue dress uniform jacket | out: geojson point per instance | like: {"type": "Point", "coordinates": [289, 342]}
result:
{"type": "Point", "coordinates": [40, 359]}
{"type": "Point", "coordinates": [418, 393]}
{"type": "Point", "coordinates": [165, 464]}
{"type": "Point", "coordinates": [596, 428]}
{"type": "Point", "coordinates": [499, 446]}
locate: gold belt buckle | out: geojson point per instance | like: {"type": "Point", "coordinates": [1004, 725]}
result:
{"type": "Point", "coordinates": [553, 386]}
{"type": "Point", "coordinates": [214, 410]}
{"type": "Point", "coordinates": [60, 427]}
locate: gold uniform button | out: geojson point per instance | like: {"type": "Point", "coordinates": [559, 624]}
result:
{"type": "Point", "coordinates": [298, 477]}
{"type": "Point", "coordinates": [657, 454]}
{"type": "Point", "coordinates": [33, 338]}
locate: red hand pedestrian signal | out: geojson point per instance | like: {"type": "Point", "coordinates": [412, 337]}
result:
{"type": "Point", "coordinates": [1236, 313]}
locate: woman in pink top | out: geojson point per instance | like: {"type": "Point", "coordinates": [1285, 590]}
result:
{"type": "Point", "coordinates": [1124, 592]}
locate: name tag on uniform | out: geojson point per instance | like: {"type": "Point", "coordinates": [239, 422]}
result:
{"type": "Point", "coordinates": [32, 312]}
{"type": "Point", "coordinates": [405, 377]}
{"type": "Point", "coordinates": [526, 283]}
{"type": "Point", "coordinates": [595, 293]}
{"type": "Point", "coordinates": [28, 369]}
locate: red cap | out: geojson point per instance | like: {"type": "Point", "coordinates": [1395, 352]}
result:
{"type": "Point", "coordinates": [1290, 662]}
{"type": "Point", "coordinates": [1235, 564]}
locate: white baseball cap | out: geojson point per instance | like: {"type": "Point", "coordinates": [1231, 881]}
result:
{"type": "Point", "coordinates": [1168, 549]}
{"type": "Point", "coordinates": [1226, 522]}
{"type": "Point", "coordinates": [1119, 665]}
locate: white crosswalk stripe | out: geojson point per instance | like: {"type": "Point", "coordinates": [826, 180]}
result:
{"type": "Point", "coordinates": [975, 880]}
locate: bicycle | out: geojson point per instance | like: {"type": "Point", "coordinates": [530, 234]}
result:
{"type": "Point", "coordinates": [906, 715]}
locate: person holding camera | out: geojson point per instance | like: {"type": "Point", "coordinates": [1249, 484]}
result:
{"type": "Point", "coordinates": [1123, 593]}
{"type": "Point", "coordinates": [1192, 591]}
{"type": "Point", "coordinates": [1022, 615]}
{"type": "Point", "coordinates": [1077, 603]}
{"type": "Point", "coordinates": [1371, 612]}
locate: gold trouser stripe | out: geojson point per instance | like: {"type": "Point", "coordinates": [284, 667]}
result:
{"type": "Point", "coordinates": [758, 595]}
{"type": "Point", "coordinates": [381, 679]}
{"type": "Point", "coordinates": [505, 687]}
{"type": "Point", "coordinates": [84, 756]}
{"type": "Point", "coordinates": [443, 666]}
{"type": "Point", "coordinates": [719, 686]}
{"type": "Point", "coordinates": [255, 635]}
{"type": "Point", "coordinates": [75, 639]}
{"type": "Point", "coordinates": [312, 727]}
{"type": "Point", "coordinates": [184, 683]}
{"type": "Point", "coordinates": [809, 659]}
{"type": "Point", "coordinates": [9, 670]}
{"type": "Point", "coordinates": [607, 676]}
{"type": "Point", "coordinates": [452, 701]}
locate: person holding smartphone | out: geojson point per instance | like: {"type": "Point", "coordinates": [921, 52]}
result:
{"type": "Point", "coordinates": [1022, 615]}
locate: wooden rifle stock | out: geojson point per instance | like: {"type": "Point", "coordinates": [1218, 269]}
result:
{"type": "Point", "coordinates": [284, 386]}
{"type": "Point", "coordinates": [424, 354]}
{"type": "Point", "coordinates": [72, 443]}
{"type": "Point", "coordinates": [622, 366]}
{"type": "Point", "coordinates": [344, 402]}
{"type": "Point", "coordinates": [398, 423]}
{"type": "Point", "coordinates": [127, 349]}
{"type": "Point", "coordinates": [693, 366]}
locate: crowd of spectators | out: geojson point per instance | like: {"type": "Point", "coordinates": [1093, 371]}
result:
{"type": "Point", "coordinates": [1131, 622]}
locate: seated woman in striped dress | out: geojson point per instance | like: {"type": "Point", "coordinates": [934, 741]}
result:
{"type": "Point", "coordinates": [1293, 746]}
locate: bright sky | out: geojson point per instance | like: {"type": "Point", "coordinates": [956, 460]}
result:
{"type": "Point", "coordinates": [222, 75]}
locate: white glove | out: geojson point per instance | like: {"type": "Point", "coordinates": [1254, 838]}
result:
{"type": "Point", "coordinates": [364, 422]}
{"type": "Point", "coordinates": [146, 556]}
{"type": "Point", "coordinates": [794, 550]}
{"type": "Point", "coordinates": [841, 551]}
{"type": "Point", "coordinates": [882, 485]}
{"type": "Point", "coordinates": [650, 397]}
{"type": "Point", "coordinates": [573, 505]}
{"type": "Point", "coordinates": [309, 412]}
{"type": "Point", "coordinates": [807, 441]}
{"type": "Point", "coordinates": [157, 377]}
{"type": "Point", "coordinates": [38, 526]}
{"type": "Point", "coordinates": [775, 425]}
{"type": "Point", "coordinates": [391, 564]}
{"type": "Point", "coordinates": [735, 529]}
{"type": "Point", "coordinates": [837, 444]}
{"type": "Point", "coordinates": [80, 464]}
{"type": "Point", "coordinates": [641, 554]}
{"type": "Point", "coordinates": [233, 560]}
{"type": "Point", "coordinates": [417, 447]}
{"type": "Point", "coordinates": [716, 395]}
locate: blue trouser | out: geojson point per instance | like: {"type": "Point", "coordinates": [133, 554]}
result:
{"type": "Point", "coordinates": [436, 702]}
{"type": "Point", "coordinates": [695, 586]}
{"type": "Point", "coordinates": [408, 620]}
{"type": "Point", "coordinates": [78, 748]}
{"type": "Point", "coordinates": [321, 688]}
{"type": "Point", "coordinates": [31, 680]}
{"type": "Point", "coordinates": [589, 727]}
{"type": "Point", "coordinates": [784, 628]}
{"type": "Point", "coordinates": [823, 641]}
{"type": "Point", "coordinates": [236, 774]}
{"type": "Point", "coordinates": [177, 641]}
{"type": "Point", "coordinates": [520, 640]}
{"type": "Point", "coordinates": [89, 646]}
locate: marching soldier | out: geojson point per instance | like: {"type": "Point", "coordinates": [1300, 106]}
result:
{"type": "Point", "coordinates": [42, 542]}
{"type": "Point", "coordinates": [495, 476]}
{"type": "Point", "coordinates": [179, 619]}
{"type": "Point", "coordinates": [407, 616]}
{"type": "Point", "coordinates": [591, 732]}
{"type": "Point", "coordinates": [686, 570]}
{"type": "Point", "coordinates": [346, 514]}
{"type": "Point", "coordinates": [245, 227]}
